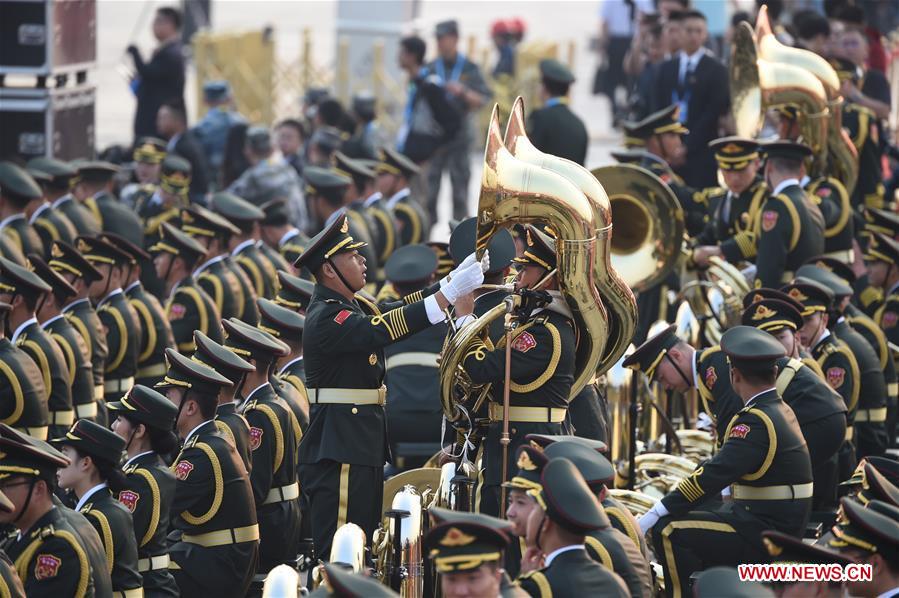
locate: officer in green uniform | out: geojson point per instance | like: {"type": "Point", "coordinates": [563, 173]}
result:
{"type": "Point", "coordinates": [145, 420]}
{"type": "Point", "coordinates": [869, 534]}
{"type": "Point", "coordinates": [344, 449]}
{"type": "Point", "coordinates": [17, 190]}
{"type": "Point", "coordinates": [287, 326]}
{"type": "Point", "coordinates": [23, 290]}
{"type": "Point", "coordinates": [187, 306]}
{"type": "Point", "coordinates": [557, 562]}
{"type": "Point", "coordinates": [295, 292]}
{"type": "Point", "coordinates": [790, 550]}
{"type": "Point", "coordinates": [21, 380]}
{"type": "Point", "coordinates": [228, 420]}
{"type": "Point", "coordinates": [58, 193]}
{"type": "Point", "coordinates": [273, 254]}
{"type": "Point", "coordinates": [148, 154]}
{"type": "Point", "coordinates": [384, 231]}
{"type": "Point", "coordinates": [50, 223]}
{"type": "Point", "coordinates": [382, 237]}
{"type": "Point", "coordinates": [244, 246]}
{"type": "Point", "coordinates": [273, 443]}
{"type": "Point", "coordinates": [764, 457]}
{"type": "Point", "coordinates": [395, 171]}
{"type": "Point", "coordinates": [49, 554]}
{"type": "Point", "coordinates": [94, 189]}
{"type": "Point", "coordinates": [278, 234]}
{"type": "Point", "coordinates": [542, 367]}
{"type": "Point", "coordinates": [78, 272]}
{"type": "Point", "coordinates": [121, 325]}
{"type": "Point", "coordinates": [10, 584]}
{"type": "Point", "coordinates": [70, 341]}
{"type": "Point", "coordinates": [155, 331]}
{"type": "Point", "coordinates": [882, 259]}
{"type": "Point", "coordinates": [214, 546]}
{"type": "Point", "coordinates": [93, 452]}
{"type": "Point", "coordinates": [554, 128]}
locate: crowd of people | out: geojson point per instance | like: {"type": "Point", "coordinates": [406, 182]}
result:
{"type": "Point", "coordinates": [215, 350]}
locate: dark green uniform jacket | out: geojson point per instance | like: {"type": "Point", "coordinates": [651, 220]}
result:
{"type": "Point", "coordinates": [155, 335]}
{"type": "Point", "coordinates": [864, 129]}
{"type": "Point", "coordinates": [189, 308]}
{"type": "Point", "coordinates": [555, 129]}
{"type": "Point", "coordinates": [24, 404]}
{"type": "Point", "coordinates": [259, 269]}
{"type": "Point", "coordinates": [412, 221]}
{"type": "Point", "coordinates": [384, 233]}
{"type": "Point", "coordinates": [572, 573]}
{"type": "Point", "coordinates": [10, 584]}
{"type": "Point", "coordinates": [114, 217]}
{"type": "Point", "coordinates": [617, 553]}
{"type": "Point", "coordinates": [791, 230]}
{"type": "Point", "coordinates": [832, 199]}
{"type": "Point", "coordinates": [82, 219]}
{"type": "Point", "coordinates": [21, 234]}
{"type": "Point", "coordinates": [116, 529]}
{"type": "Point", "coordinates": [52, 225]}
{"type": "Point", "coordinates": [81, 374]}
{"type": "Point", "coordinates": [233, 426]}
{"type": "Point", "coordinates": [81, 314]}
{"type": "Point", "coordinates": [121, 327]}
{"type": "Point", "coordinates": [44, 351]}
{"type": "Point", "coordinates": [732, 222]}
{"type": "Point", "coordinates": [221, 284]}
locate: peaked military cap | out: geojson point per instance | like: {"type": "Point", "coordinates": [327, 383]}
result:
{"type": "Point", "coordinates": [410, 263]}
{"type": "Point", "coordinates": [328, 243]}
{"type": "Point", "coordinates": [596, 470]}
{"type": "Point", "coordinates": [665, 120]}
{"type": "Point", "coordinates": [530, 461]}
{"type": "Point", "coordinates": [96, 171]}
{"type": "Point", "coordinates": [647, 356]}
{"type": "Point", "coordinates": [784, 148]}
{"type": "Point", "coordinates": [17, 279]}
{"type": "Point", "coordinates": [464, 541]}
{"type": "Point", "coordinates": [125, 246]}
{"type": "Point", "coordinates": [92, 439]}
{"type": "Point", "coordinates": [235, 208]}
{"type": "Point", "coordinates": [834, 266]}
{"type": "Point", "coordinates": [875, 486]}
{"type": "Point", "coordinates": [150, 150]}
{"type": "Point", "coordinates": [772, 315]}
{"type": "Point", "coordinates": [61, 172]}
{"type": "Point", "coordinates": [882, 248]}
{"type": "Point", "coordinates": [15, 182]}
{"type": "Point", "coordinates": [445, 263]}
{"type": "Point", "coordinates": [329, 139]}
{"type": "Point", "coordinates": [824, 277]}
{"type": "Point", "coordinates": [279, 321]}
{"type": "Point", "coordinates": [40, 177]}
{"type": "Point", "coordinates": [251, 342]}
{"type": "Point", "coordinates": [144, 405]}
{"type": "Point", "coordinates": [553, 70]}
{"type": "Point", "coordinates": [326, 182]}
{"type": "Point", "coordinates": [97, 251]}
{"type": "Point", "coordinates": [177, 243]}
{"type": "Point", "coordinates": [501, 246]}
{"type": "Point", "coordinates": [540, 249]}
{"type": "Point", "coordinates": [756, 295]}
{"type": "Point", "coordinates": [199, 221]}
{"type": "Point", "coordinates": [631, 156]}
{"type": "Point", "coordinates": [276, 212]}
{"type": "Point", "coordinates": [338, 583]}
{"type": "Point", "coordinates": [567, 499]}
{"type": "Point", "coordinates": [295, 292]}
{"type": "Point", "coordinates": [866, 527]}
{"type": "Point", "coordinates": [175, 175]}
{"type": "Point", "coordinates": [66, 259]}
{"type": "Point", "coordinates": [220, 358]}
{"type": "Point", "coordinates": [183, 372]}
{"type": "Point", "coordinates": [881, 221]}
{"type": "Point", "coordinates": [27, 456]}
{"type": "Point", "coordinates": [450, 27]}
{"type": "Point", "coordinates": [633, 140]}
{"type": "Point", "coordinates": [350, 168]}
{"type": "Point", "coordinates": [784, 548]}
{"type": "Point", "coordinates": [395, 162]}
{"type": "Point", "coordinates": [725, 581]}
{"type": "Point", "coordinates": [813, 296]}
{"type": "Point", "coordinates": [364, 104]}
{"type": "Point", "coordinates": [744, 344]}
{"type": "Point", "coordinates": [544, 440]}
{"type": "Point", "coordinates": [734, 153]}
{"type": "Point", "coordinates": [216, 91]}
{"type": "Point", "coordinates": [889, 468]}
{"type": "Point", "coordinates": [60, 286]}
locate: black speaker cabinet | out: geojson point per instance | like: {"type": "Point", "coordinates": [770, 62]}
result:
{"type": "Point", "coordinates": [44, 37]}
{"type": "Point", "coordinates": [47, 122]}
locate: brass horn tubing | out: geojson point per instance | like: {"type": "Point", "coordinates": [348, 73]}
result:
{"type": "Point", "coordinates": [787, 84]}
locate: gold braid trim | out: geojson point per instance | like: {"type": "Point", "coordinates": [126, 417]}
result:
{"type": "Point", "coordinates": [219, 489]}
{"type": "Point", "coordinates": [156, 498]}
{"type": "Point", "coordinates": [550, 368]}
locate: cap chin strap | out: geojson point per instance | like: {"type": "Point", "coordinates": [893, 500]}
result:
{"type": "Point", "coordinates": [540, 531]}
{"type": "Point", "coordinates": [108, 281]}
{"type": "Point", "coordinates": [31, 484]}
{"type": "Point", "coordinates": [683, 376]}
{"type": "Point", "coordinates": [340, 276]}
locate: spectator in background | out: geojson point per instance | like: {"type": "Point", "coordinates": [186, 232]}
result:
{"type": "Point", "coordinates": [322, 145]}
{"type": "Point", "coordinates": [617, 27]}
{"type": "Point", "coordinates": [695, 81]}
{"type": "Point", "coordinates": [235, 162]}
{"type": "Point", "coordinates": [775, 10]}
{"type": "Point", "coordinates": [268, 176]}
{"type": "Point", "coordinates": [652, 49]}
{"type": "Point", "coordinates": [812, 32]}
{"type": "Point", "coordinates": [212, 130]}
{"type": "Point", "coordinates": [161, 79]}
{"type": "Point", "coordinates": [366, 138]}
{"type": "Point", "coordinates": [289, 138]}
{"type": "Point", "coordinates": [852, 16]}
{"type": "Point", "coordinates": [673, 33]}
{"type": "Point", "coordinates": [172, 124]}
{"type": "Point", "coordinates": [504, 42]}
{"type": "Point", "coordinates": [875, 89]}
{"type": "Point", "coordinates": [554, 128]}
{"type": "Point", "coordinates": [666, 7]}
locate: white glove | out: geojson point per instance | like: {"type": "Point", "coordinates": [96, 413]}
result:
{"type": "Point", "coordinates": [463, 282]}
{"type": "Point", "coordinates": [469, 260]}
{"type": "Point", "coordinates": [485, 261]}
{"type": "Point", "coordinates": [647, 521]}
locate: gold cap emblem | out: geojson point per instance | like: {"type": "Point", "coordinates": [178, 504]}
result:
{"type": "Point", "coordinates": [345, 227]}
{"type": "Point", "coordinates": [731, 148]}
{"type": "Point", "coordinates": [456, 537]}
{"type": "Point", "coordinates": [56, 250]}
{"type": "Point", "coordinates": [83, 245]}
{"type": "Point", "coordinates": [797, 295]}
{"type": "Point", "coordinates": [772, 548]}
{"type": "Point", "coordinates": [762, 312]}
{"type": "Point", "coordinates": [525, 463]}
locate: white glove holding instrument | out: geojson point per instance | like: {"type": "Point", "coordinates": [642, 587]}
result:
{"type": "Point", "coordinates": [465, 280]}
{"type": "Point", "coordinates": [651, 517]}
{"type": "Point", "coordinates": [468, 261]}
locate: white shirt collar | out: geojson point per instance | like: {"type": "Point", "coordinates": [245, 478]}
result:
{"type": "Point", "coordinates": [552, 555]}
{"type": "Point", "coordinates": [133, 285]}
{"type": "Point", "coordinates": [891, 593]}
{"type": "Point", "coordinates": [22, 326]}
{"type": "Point", "coordinates": [695, 56]}
{"type": "Point", "coordinates": [110, 295]}
{"type": "Point", "coordinates": [804, 180]}
{"type": "Point", "coordinates": [243, 244]}
{"type": "Point", "coordinates": [824, 335]}
{"type": "Point", "coordinates": [88, 494]}
{"type": "Point", "coordinates": [396, 197]}
{"type": "Point", "coordinates": [135, 457]}
{"type": "Point", "coordinates": [784, 184]}
{"type": "Point", "coordinates": [288, 236]}
{"type": "Point", "coordinates": [250, 396]}
{"type": "Point", "coordinates": [290, 363]}
{"type": "Point", "coordinates": [72, 305]}
{"type": "Point", "coordinates": [51, 320]}
{"type": "Point", "coordinates": [893, 288]}
{"type": "Point", "coordinates": [62, 200]}
{"type": "Point", "coordinates": [5, 222]}
{"type": "Point", "coordinates": [38, 211]}
{"type": "Point", "coordinates": [695, 363]}
{"type": "Point", "coordinates": [208, 263]}
{"type": "Point", "coordinates": [194, 431]}
{"type": "Point", "coordinates": [755, 396]}
{"type": "Point", "coordinates": [334, 216]}
{"type": "Point", "coordinates": [372, 199]}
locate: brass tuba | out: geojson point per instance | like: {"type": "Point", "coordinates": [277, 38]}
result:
{"type": "Point", "coordinates": [347, 548]}
{"type": "Point", "coordinates": [615, 292]}
{"type": "Point", "coordinates": [398, 544]}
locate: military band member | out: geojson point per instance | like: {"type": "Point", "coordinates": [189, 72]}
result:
{"type": "Point", "coordinates": [279, 234]}
{"type": "Point", "coordinates": [22, 380]}
{"type": "Point", "coordinates": [288, 377]}
{"type": "Point", "coordinates": [58, 193]}
{"type": "Point", "coordinates": [94, 190]}
{"type": "Point", "coordinates": [764, 457]}
{"type": "Point", "coordinates": [228, 420]}
{"type": "Point", "coordinates": [17, 190]}
{"type": "Point", "coordinates": [168, 199]}
{"type": "Point", "coordinates": [93, 452]}
{"type": "Point", "coordinates": [295, 292]}
{"type": "Point", "coordinates": [344, 449]}
{"type": "Point", "coordinates": [382, 236]}
{"type": "Point", "coordinates": [50, 223]}
{"type": "Point", "coordinates": [70, 341]}
{"type": "Point", "coordinates": [882, 260]}
{"type": "Point", "coordinates": [374, 203]}
{"type": "Point", "coordinates": [10, 584]}
{"type": "Point", "coordinates": [187, 306]}
{"type": "Point", "coordinates": [148, 154]}
{"type": "Point", "coordinates": [215, 543]}
{"type": "Point", "coordinates": [145, 420]}
{"type": "Point", "coordinates": [49, 555]}
{"type": "Point", "coordinates": [273, 443]}
{"type": "Point", "coordinates": [395, 171]}
{"type": "Point", "coordinates": [554, 128]}
{"type": "Point", "coordinates": [790, 550]}
{"type": "Point", "coordinates": [869, 534]}
{"type": "Point", "coordinates": [23, 290]}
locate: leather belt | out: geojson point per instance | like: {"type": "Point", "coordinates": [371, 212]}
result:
{"type": "Point", "coordinates": [282, 493]}
{"type": "Point", "coordinates": [847, 256]}
{"type": "Point", "coordinates": [154, 563]}
{"type": "Point", "coordinates": [62, 418]}
{"type": "Point", "coordinates": [850, 432]}
{"type": "Point", "coordinates": [98, 392]}
{"type": "Point", "coordinates": [421, 359]}
{"type": "Point", "coordinates": [528, 414]}
{"type": "Point", "coordinates": [118, 384]}
{"type": "Point", "coordinates": [86, 410]}
{"type": "Point", "coordinates": [224, 537]}
{"type": "Point", "coordinates": [347, 396]}
{"type": "Point", "coordinates": [151, 371]}
{"type": "Point", "coordinates": [39, 432]}
{"type": "Point", "coordinates": [893, 389]}
{"type": "Point", "coordinates": [871, 415]}
{"type": "Point", "coordinates": [785, 492]}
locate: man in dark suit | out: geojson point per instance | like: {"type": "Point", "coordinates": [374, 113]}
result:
{"type": "Point", "coordinates": [694, 79]}
{"type": "Point", "coordinates": [554, 128]}
{"type": "Point", "coordinates": [162, 78]}
{"type": "Point", "coordinates": [172, 123]}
